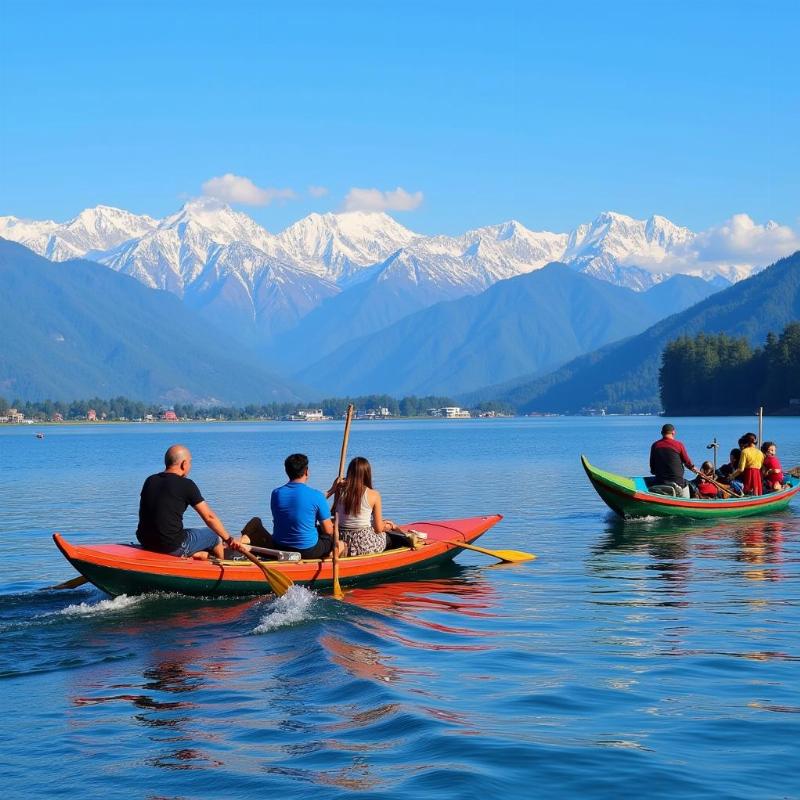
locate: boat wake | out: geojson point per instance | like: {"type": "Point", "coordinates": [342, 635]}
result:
{"type": "Point", "coordinates": [106, 605]}
{"type": "Point", "coordinates": [291, 608]}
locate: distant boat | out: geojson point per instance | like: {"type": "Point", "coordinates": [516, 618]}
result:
{"type": "Point", "coordinates": [40, 436]}
{"type": "Point", "coordinates": [630, 497]}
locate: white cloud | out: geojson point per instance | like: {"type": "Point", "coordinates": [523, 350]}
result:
{"type": "Point", "coordinates": [736, 247]}
{"type": "Point", "coordinates": [742, 239]}
{"type": "Point", "coordinates": [376, 200]}
{"type": "Point", "coordinates": [317, 191]}
{"type": "Point", "coordinates": [235, 189]}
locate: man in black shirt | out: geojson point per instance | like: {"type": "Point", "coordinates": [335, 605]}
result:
{"type": "Point", "coordinates": [164, 498]}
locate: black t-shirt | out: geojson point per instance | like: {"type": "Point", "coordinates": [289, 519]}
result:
{"type": "Point", "coordinates": [165, 496]}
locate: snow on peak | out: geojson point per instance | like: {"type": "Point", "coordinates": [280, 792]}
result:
{"type": "Point", "coordinates": [93, 230]}
{"type": "Point", "coordinates": [337, 245]}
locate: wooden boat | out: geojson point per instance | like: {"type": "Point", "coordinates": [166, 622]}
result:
{"type": "Point", "coordinates": [630, 497]}
{"type": "Point", "coordinates": [128, 569]}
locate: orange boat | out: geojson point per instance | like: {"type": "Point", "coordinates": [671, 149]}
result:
{"type": "Point", "coordinates": [128, 569]}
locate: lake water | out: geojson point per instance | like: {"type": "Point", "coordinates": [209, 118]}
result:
{"type": "Point", "coordinates": [647, 658]}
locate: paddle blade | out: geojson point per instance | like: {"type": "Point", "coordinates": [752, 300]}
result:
{"type": "Point", "coordinates": [513, 556]}
{"type": "Point", "coordinates": [337, 589]}
{"type": "Point", "coordinates": [278, 582]}
{"type": "Point", "coordinates": [70, 584]}
{"type": "Point", "coordinates": [794, 472]}
{"type": "Point", "coordinates": [507, 556]}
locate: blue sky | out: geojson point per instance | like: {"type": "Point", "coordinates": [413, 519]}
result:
{"type": "Point", "coordinates": [547, 113]}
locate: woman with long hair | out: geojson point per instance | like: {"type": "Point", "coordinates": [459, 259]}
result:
{"type": "Point", "coordinates": [358, 506]}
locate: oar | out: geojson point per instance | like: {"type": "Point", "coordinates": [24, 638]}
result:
{"type": "Point", "coordinates": [508, 556]}
{"type": "Point", "coordinates": [72, 583]}
{"type": "Point", "coordinates": [278, 582]}
{"type": "Point", "coordinates": [337, 589]}
{"type": "Point", "coordinates": [721, 486]}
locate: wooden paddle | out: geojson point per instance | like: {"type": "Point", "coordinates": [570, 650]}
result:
{"type": "Point", "coordinates": [794, 472]}
{"type": "Point", "coordinates": [727, 490]}
{"type": "Point", "coordinates": [278, 582]}
{"type": "Point", "coordinates": [72, 583]}
{"type": "Point", "coordinates": [508, 556]}
{"type": "Point", "coordinates": [337, 589]}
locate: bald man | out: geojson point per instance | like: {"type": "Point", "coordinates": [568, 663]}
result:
{"type": "Point", "coordinates": [165, 496]}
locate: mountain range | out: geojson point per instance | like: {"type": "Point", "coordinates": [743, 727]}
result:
{"type": "Point", "coordinates": [357, 265]}
{"type": "Point", "coordinates": [355, 301]}
{"type": "Point", "coordinates": [528, 323]}
{"type": "Point", "coordinates": [623, 376]}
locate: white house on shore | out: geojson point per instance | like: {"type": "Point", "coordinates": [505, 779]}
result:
{"type": "Point", "coordinates": [451, 412]}
{"type": "Point", "coordinates": [308, 415]}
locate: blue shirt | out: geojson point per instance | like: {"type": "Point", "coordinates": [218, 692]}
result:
{"type": "Point", "coordinates": [296, 508]}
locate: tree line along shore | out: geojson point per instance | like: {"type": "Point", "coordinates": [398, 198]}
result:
{"type": "Point", "coordinates": [123, 409]}
{"type": "Point", "coordinates": [701, 375]}
{"type": "Point", "coordinates": [720, 375]}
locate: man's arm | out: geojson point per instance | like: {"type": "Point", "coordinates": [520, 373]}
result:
{"type": "Point", "coordinates": [687, 462]}
{"type": "Point", "coordinates": [212, 520]}
{"type": "Point", "coordinates": [326, 526]}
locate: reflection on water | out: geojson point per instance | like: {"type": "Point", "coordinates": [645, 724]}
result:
{"type": "Point", "coordinates": [663, 649]}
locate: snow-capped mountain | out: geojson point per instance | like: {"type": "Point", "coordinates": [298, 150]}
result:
{"type": "Point", "coordinates": [338, 246]}
{"type": "Point", "coordinates": [240, 278]}
{"type": "Point", "coordinates": [174, 254]}
{"type": "Point", "coordinates": [93, 231]}
{"type": "Point", "coordinates": [222, 261]}
{"type": "Point", "coordinates": [615, 248]}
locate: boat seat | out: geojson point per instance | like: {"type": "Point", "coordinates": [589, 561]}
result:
{"type": "Point", "coordinates": [664, 488]}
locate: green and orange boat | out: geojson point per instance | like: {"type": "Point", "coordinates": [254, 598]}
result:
{"type": "Point", "coordinates": [128, 569]}
{"type": "Point", "coordinates": [630, 498]}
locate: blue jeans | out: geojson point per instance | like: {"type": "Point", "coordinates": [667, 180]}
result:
{"type": "Point", "coordinates": [195, 540]}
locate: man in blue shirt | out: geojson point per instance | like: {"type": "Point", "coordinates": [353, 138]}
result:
{"type": "Point", "coordinates": [297, 509]}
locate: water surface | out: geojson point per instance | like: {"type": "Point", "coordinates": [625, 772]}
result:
{"type": "Point", "coordinates": [653, 657]}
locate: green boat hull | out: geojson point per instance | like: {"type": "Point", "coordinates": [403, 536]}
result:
{"type": "Point", "coordinates": [629, 498]}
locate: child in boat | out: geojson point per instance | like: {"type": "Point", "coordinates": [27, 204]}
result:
{"type": "Point", "coordinates": [726, 470]}
{"type": "Point", "coordinates": [771, 470]}
{"type": "Point", "coordinates": [749, 466]}
{"type": "Point", "coordinates": [705, 489]}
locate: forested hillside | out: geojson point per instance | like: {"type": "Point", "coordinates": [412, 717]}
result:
{"type": "Point", "coordinates": [710, 374]}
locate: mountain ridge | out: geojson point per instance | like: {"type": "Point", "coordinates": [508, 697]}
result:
{"type": "Point", "coordinates": [623, 376]}
{"type": "Point", "coordinates": [532, 321]}
{"type": "Point", "coordinates": [78, 329]}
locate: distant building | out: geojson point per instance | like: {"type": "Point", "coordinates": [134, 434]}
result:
{"type": "Point", "coordinates": [308, 415]}
{"type": "Point", "coordinates": [454, 412]}
{"type": "Point", "coordinates": [451, 412]}
{"type": "Point", "coordinates": [15, 417]}
{"type": "Point", "coordinates": [58, 417]}
{"type": "Point", "coordinates": [91, 415]}
{"type": "Point", "coordinates": [169, 416]}
{"type": "Point", "coordinates": [376, 413]}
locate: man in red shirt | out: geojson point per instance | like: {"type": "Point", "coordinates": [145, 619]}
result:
{"type": "Point", "coordinates": [668, 457]}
